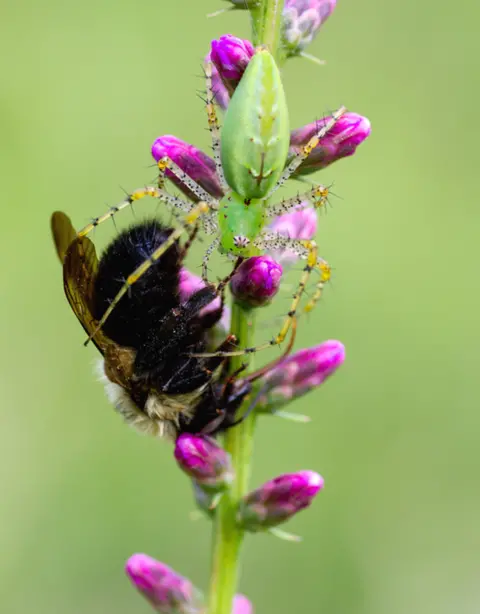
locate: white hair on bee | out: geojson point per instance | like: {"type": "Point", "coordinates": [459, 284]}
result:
{"type": "Point", "coordinates": [143, 422]}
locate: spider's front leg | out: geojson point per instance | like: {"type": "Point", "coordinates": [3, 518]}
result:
{"type": "Point", "coordinates": [152, 191]}
{"type": "Point", "coordinates": [213, 124]}
{"type": "Point", "coordinates": [167, 163]}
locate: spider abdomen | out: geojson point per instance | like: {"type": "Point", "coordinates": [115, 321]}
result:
{"type": "Point", "coordinates": [255, 133]}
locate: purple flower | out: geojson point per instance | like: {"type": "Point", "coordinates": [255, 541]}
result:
{"type": "Point", "coordinates": [278, 500]}
{"type": "Point", "coordinates": [204, 461]}
{"type": "Point", "coordinates": [219, 90]}
{"type": "Point", "coordinates": [300, 224]}
{"type": "Point", "coordinates": [190, 283]}
{"type": "Point", "coordinates": [300, 373]}
{"type": "Point", "coordinates": [241, 605]}
{"type": "Point", "coordinates": [163, 588]}
{"type": "Point", "coordinates": [256, 281]}
{"type": "Point", "coordinates": [341, 141]}
{"type": "Point", "coordinates": [302, 20]}
{"type": "Point", "coordinates": [197, 165]}
{"type": "Point", "coordinates": [230, 56]}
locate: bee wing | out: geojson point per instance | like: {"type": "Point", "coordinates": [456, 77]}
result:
{"type": "Point", "coordinates": [80, 267]}
{"type": "Point", "coordinates": [63, 233]}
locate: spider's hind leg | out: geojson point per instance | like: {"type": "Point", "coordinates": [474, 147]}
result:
{"type": "Point", "coordinates": [306, 250]}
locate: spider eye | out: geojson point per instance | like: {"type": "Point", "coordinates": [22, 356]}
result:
{"type": "Point", "coordinates": [241, 241]}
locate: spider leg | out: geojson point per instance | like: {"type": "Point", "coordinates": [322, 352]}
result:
{"type": "Point", "coordinates": [317, 196]}
{"type": "Point", "coordinates": [190, 240]}
{"type": "Point", "coordinates": [206, 257]}
{"type": "Point", "coordinates": [307, 150]}
{"type": "Point", "coordinates": [138, 194]}
{"type": "Point", "coordinates": [202, 195]}
{"type": "Point", "coordinates": [306, 250]}
{"type": "Point", "coordinates": [190, 220]}
{"type": "Point", "coordinates": [213, 125]}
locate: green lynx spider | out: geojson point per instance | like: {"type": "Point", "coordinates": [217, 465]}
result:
{"type": "Point", "coordinates": [251, 163]}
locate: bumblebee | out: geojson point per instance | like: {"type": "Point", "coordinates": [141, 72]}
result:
{"type": "Point", "coordinates": [149, 342]}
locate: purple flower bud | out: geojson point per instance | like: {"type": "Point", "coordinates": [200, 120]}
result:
{"type": "Point", "coordinates": [256, 281]}
{"type": "Point", "coordinates": [231, 55]}
{"type": "Point", "coordinates": [197, 165]}
{"type": "Point", "coordinates": [219, 90]}
{"type": "Point", "coordinates": [241, 605]}
{"type": "Point", "coordinates": [190, 283]}
{"type": "Point", "coordinates": [163, 588]}
{"type": "Point", "coordinates": [299, 373]}
{"type": "Point", "coordinates": [300, 224]}
{"type": "Point", "coordinates": [205, 461]}
{"type": "Point", "coordinates": [278, 500]}
{"type": "Point", "coordinates": [340, 142]}
{"type": "Point", "coordinates": [302, 20]}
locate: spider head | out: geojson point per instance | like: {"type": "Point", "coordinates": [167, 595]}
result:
{"type": "Point", "coordinates": [240, 221]}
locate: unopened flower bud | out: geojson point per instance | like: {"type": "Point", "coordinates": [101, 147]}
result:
{"type": "Point", "coordinates": [339, 142]}
{"type": "Point", "coordinates": [196, 164]}
{"type": "Point", "coordinates": [163, 588]}
{"type": "Point", "coordinates": [256, 281]}
{"type": "Point", "coordinates": [300, 224]}
{"type": "Point", "coordinates": [300, 373]}
{"type": "Point", "coordinates": [241, 605]}
{"type": "Point", "coordinates": [220, 92]}
{"type": "Point", "coordinates": [302, 20]}
{"type": "Point", "coordinates": [204, 461]}
{"type": "Point", "coordinates": [278, 500]}
{"type": "Point", "coordinates": [230, 56]}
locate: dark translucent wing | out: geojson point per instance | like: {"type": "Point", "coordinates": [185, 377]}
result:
{"type": "Point", "coordinates": [80, 267]}
{"type": "Point", "coordinates": [63, 233]}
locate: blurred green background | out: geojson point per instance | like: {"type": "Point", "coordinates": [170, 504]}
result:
{"type": "Point", "coordinates": [85, 88]}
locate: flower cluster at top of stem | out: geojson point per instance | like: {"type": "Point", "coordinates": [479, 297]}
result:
{"type": "Point", "coordinates": [255, 282]}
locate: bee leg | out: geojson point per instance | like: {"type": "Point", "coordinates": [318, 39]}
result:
{"type": "Point", "coordinates": [214, 425]}
{"type": "Point", "coordinates": [224, 282]}
{"type": "Point", "coordinates": [252, 405]}
{"type": "Point", "coordinates": [191, 238]}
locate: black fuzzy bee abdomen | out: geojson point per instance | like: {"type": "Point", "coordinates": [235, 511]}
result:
{"type": "Point", "coordinates": [152, 296]}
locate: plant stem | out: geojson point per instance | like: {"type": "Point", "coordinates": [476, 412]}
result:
{"type": "Point", "coordinates": [266, 24]}
{"type": "Point", "coordinates": [227, 535]}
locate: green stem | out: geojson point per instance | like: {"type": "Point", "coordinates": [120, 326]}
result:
{"type": "Point", "coordinates": [227, 535]}
{"type": "Point", "coordinates": [267, 19]}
